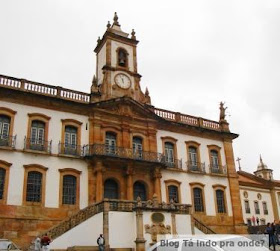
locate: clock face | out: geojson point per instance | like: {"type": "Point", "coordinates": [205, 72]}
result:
{"type": "Point", "coordinates": [123, 81]}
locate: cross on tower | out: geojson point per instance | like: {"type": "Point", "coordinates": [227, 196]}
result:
{"type": "Point", "coordinates": [238, 160]}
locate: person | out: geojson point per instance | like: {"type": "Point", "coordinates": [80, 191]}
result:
{"type": "Point", "coordinates": [254, 220]}
{"type": "Point", "coordinates": [101, 242]}
{"type": "Point", "coordinates": [270, 231]}
{"type": "Point", "coordinates": [258, 221]}
{"type": "Point", "coordinates": [37, 244]}
{"type": "Point", "coordinates": [45, 241]}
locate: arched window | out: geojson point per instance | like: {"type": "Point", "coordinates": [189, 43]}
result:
{"type": "Point", "coordinates": [2, 182]}
{"type": "Point", "coordinates": [70, 141]}
{"type": "Point", "coordinates": [110, 143]}
{"type": "Point", "coordinates": [198, 200]}
{"type": "Point", "coordinates": [69, 190]}
{"type": "Point", "coordinates": [122, 58]}
{"type": "Point", "coordinates": [34, 186]}
{"type": "Point", "coordinates": [139, 190]}
{"type": "Point", "coordinates": [37, 140]}
{"type": "Point", "coordinates": [220, 201]}
{"type": "Point", "coordinates": [137, 147]}
{"type": "Point", "coordinates": [111, 189]}
{"type": "Point", "coordinates": [169, 152]}
{"type": "Point", "coordinates": [5, 122]}
{"type": "Point", "coordinates": [214, 159]}
{"type": "Point", "coordinates": [173, 193]}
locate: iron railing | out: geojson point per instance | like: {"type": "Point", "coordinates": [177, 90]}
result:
{"type": "Point", "coordinates": [37, 145]}
{"type": "Point", "coordinates": [217, 169]}
{"type": "Point", "coordinates": [69, 149]}
{"type": "Point", "coordinates": [121, 152]}
{"type": "Point", "coordinates": [175, 163]}
{"type": "Point", "coordinates": [8, 141]}
{"type": "Point", "coordinates": [195, 167]}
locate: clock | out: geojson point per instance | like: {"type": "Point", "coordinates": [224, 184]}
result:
{"type": "Point", "coordinates": [123, 81]}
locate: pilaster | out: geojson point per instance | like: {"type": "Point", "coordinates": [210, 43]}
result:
{"type": "Point", "coordinates": [140, 241]}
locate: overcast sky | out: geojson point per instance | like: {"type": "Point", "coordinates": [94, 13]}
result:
{"type": "Point", "coordinates": [191, 55]}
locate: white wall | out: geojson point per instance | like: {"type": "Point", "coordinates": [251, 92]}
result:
{"type": "Point", "coordinates": [55, 124]}
{"type": "Point", "coordinates": [122, 229]}
{"type": "Point", "coordinates": [252, 196]}
{"type": "Point", "coordinates": [85, 234]}
{"type": "Point", "coordinates": [183, 224]}
{"type": "Point", "coordinates": [16, 179]}
{"type": "Point", "coordinates": [101, 57]}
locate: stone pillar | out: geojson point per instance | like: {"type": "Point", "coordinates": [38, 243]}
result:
{"type": "Point", "coordinates": [274, 204]}
{"type": "Point", "coordinates": [106, 224]}
{"type": "Point", "coordinates": [173, 223]}
{"type": "Point", "coordinates": [234, 188]}
{"type": "Point", "coordinates": [129, 182]}
{"type": "Point", "coordinates": [157, 185]}
{"type": "Point", "coordinates": [91, 185]}
{"type": "Point", "coordinates": [140, 241]}
{"type": "Point", "coordinates": [99, 180]}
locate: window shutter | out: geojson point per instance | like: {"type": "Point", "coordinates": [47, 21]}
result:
{"type": "Point", "coordinates": [33, 134]}
{"type": "Point", "coordinates": [40, 135]}
{"type": "Point", "coordinates": [67, 139]}
{"type": "Point", "coordinates": [74, 139]}
{"type": "Point", "coordinates": [5, 130]}
{"type": "Point", "coordinates": [0, 128]}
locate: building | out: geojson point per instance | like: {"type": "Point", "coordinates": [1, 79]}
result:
{"type": "Point", "coordinates": [77, 164]}
{"type": "Point", "coordinates": [260, 195]}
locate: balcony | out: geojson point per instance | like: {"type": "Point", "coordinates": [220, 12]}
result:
{"type": "Point", "coordinates": [196, 167]}
{"type": "Point", "coordinates": [265, 211]}
{"type": "Point", "coordinates": [247, 210]}
{"type": "Point", "coordinates": [175, 163]}
{"type": "Point", "coordinates": [37, 145]}
{"type": "Point", "coordinates": [217, 169]}
{"type": "Point", "coordinates": [257, 211]}
{"type": "Point", "coordinates": [7, 141]}
{"type": "Point", "coordinates": [123, 153]}
{"type": "Point", "coordinates": [68, 149]}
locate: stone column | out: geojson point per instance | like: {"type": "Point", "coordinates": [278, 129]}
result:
{"type": "Point", "coordinates": [274, 204]}
{"type": "Point", "coordinates": [129, 182]}
{"type": "Point", "coordinates": [140, 241]}
{"type": "Point", "coordinates": [234, 188]}
{"type": "Point", "coordinates": [99, 180]}
{"type": "Point", "coordinates": [91, 185]}
{"type": "Point", "coordinates": [173, 222]}
{"type": "Point", "coordinates": [106, 224]}
{"type": "Point", "coordinates": [157, 185]}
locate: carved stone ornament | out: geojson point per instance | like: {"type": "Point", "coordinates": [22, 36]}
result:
{"type": "Point", "coordinates": [156, 229]}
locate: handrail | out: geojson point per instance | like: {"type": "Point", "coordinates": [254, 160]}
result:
{"type": "Point", "coordinates": [203, 228]}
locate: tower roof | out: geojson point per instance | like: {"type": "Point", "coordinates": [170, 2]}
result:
{"type": "Point", "coordinates": [261, 165]}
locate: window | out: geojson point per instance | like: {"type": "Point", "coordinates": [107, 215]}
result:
{"type": "Point", "coordinates": [4, 130]}
{"type": "Point", "coordinates": [70, 141]}
{"type": "Point", "coordinates": [69, 190]}
{"type": "Point", "coordinates": [110, 143]}
{"type": "Point", "coordinates": [193, 158]}
{"type": "Point", "coordinates": [34, 186]}
{"type": "Point", "coordinates": [256, 205]}
{"type": "Point", "coordinates": [37, 140]}
{"type": "Point", "coordinates": [247, 207]}
{"type": "Point", "coordinates": [220, 201]}
{"type": "Point", "coordinates": [2, 182]}
{"type": "Point", "coordinates": [173, 194]}
{"type": "Point", "coordinates": [122, 57]}
{"type": "Point", "coordinates": [139, 190]}
{"type": "Point", "coordinates": [169, 152]}
{"type": "Point", "coordinates": [111, 190]}
{"type": "Point", "coordinates": [214, 159]}
{"type": "Point", "coordinates": [265, 211]}
{"type": "Point", "coordinates": [137, 147]}
{"type": "Point", "coordinates": [198, 200]}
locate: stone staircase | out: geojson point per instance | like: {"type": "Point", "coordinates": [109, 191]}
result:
{"type": "Point", "coordinates": [200, 226]}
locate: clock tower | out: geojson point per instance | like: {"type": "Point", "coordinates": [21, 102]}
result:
{"type": "Point", "coordinates": [116, 66]}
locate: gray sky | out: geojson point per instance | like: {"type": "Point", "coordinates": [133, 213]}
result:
{"type": "Point", "coordinates": [192, 55]}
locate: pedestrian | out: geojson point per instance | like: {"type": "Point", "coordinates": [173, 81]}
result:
{"type": "Point", "coordinates": [269, 230]}
{"type": "Point", "coordinates": [37, 244]}
{"type": "Point", "coordinates": [101, 242]}
{"type": "Point", "coordinates": [253, 220]}
{"type": "Point", "coordinates": [258, 221]}
{"type": "Point", "coordinates": [45, 242]}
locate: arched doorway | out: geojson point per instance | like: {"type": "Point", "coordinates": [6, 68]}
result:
{"type": "Point", "coordinates": [139, 189]}
{"type": "Point", "coordinates": [111, 189]}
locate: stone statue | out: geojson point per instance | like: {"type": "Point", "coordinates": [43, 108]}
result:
{"type": "Point", "coordinates": [222, 111]}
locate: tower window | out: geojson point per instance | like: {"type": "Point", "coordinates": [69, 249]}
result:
{"type": "Point", "coordinates": [122, 58]}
